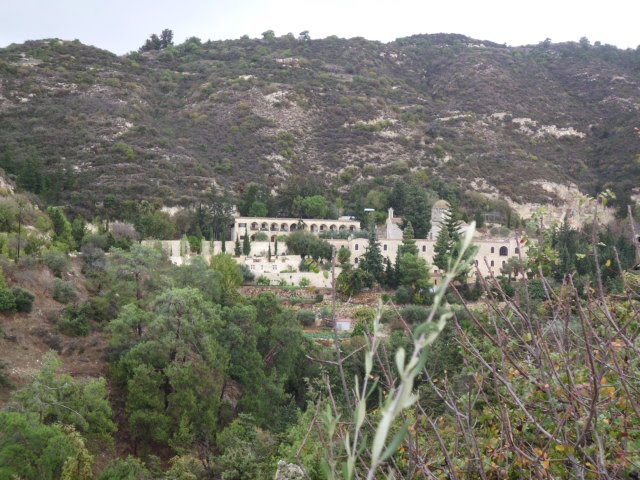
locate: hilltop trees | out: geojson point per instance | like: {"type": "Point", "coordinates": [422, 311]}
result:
{"type": "Point", "coordinates": [155, 42]}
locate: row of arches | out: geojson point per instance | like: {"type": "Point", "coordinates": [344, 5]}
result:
{"type": "Point", "coordinates": [291, 227]}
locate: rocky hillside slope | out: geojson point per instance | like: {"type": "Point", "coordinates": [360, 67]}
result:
{"type": "Point", "coordinates": [78, 123]}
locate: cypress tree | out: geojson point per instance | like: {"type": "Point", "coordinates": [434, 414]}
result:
{"type": "Point", "coordinates": [269, 253]}
{"type": "Point", "coordinates": [237, 251]}
{"type": "Point", "coordinates": [246, 243]}
{"type": "Point", "coordinates": [275, 247]}
{"type": "Point", "coordinates": [372, 260]}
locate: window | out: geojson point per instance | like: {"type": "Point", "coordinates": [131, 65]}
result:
{"type": "Point", "coordinates": [384, 247]}
{"type": "Point", "coordinates": [493, 250]}
{"type": "Point", "coordinates": [504, 251]}
{"type": "Point", "coordinates": [517, 251]}
{"type": "Point", "coordinates": [275, 267]}
{"type": "Point", "coordinates": [356, 260]}
{"type": "Point", "coordinates": [424, 248]}
{"type": "Point", "coordinates": [492, 263]}
{"type": "Point", "coordinates": [356, 247]}
{"type": "Point", "coordinates": [476, 263]}
{"type": "Point", "coordinates": [242, 225]}
{"type": "Point", "coordinates": [253, 267]}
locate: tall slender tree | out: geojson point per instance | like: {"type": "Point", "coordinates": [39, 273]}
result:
{"type": "Point", "coordinates": [372, 260]}
{"type": "Point", "coordinates": [246, 243]}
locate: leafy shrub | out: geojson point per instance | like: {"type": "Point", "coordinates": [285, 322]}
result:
{"type": "Point", "coordinates": [304, 282]}
{"type": "Point", "coordinates": [58, 262]}
{"type": "Point", "coordinates": [403, 295]}
{"type": "Point", "coordinates": [74, 322]}
{"type": "Point", "coordinates": [414, 314]}
{"type": "Point", "coordinates": [7, 300]}
{"type": "Point", "coordinates": [261, 237]}
{"type": "Point", "coordinates": [262, 280]}
{"type": "Point", "coordinates": [126, 469]}
{"type": "Point", "coordinates": [64, 292]}
{"type": "Point", "coordinates": [319, 297]}
{"type": "Point", "coordinates": [306, 317]}
{"type": "Point", "coordinates": [247, 275]}
{"type": "Point", "coordinates": [23, 299]}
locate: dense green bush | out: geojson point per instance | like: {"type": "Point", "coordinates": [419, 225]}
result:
{"type": "Point", "coordinates": [306, 317]}
{"type": "Point", "coordinates": [58, 262]}
{"type": "Point", "coordinates": [64, 292]}
{"type": "Point", "coordinates": [247, 275]}
{"type": "Point", "coordinates": [74, 322]}
{"type": "Point", "coordinates": [262, 280]}
{"type": "Point", "coordinates": [414, 314]}
{"type": "Point", "coordinates": [403, 295]}
{"type": "Point", "coordinates": [23, 299]}
{"type": "Point", "coordinates": [7, 300]}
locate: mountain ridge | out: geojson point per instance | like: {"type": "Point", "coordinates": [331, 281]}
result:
{"type": "Point", "coordinates": [171, 124]}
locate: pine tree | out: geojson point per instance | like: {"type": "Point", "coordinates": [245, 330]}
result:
{"type": "Point", "coordinates": [397, 271]}
{"type": "Point", "coordinates": [408, 241]}
{"type": "Point", "coordinates": [372, 260]}
{"type": "Point", "coordinates": [237, 251]}
{"type": "Point", "coordinates": [246, 243]}
{"type": "Point", "coordinates": [442, 249]}
{"type": "Point", "coordinates": [390, 280]}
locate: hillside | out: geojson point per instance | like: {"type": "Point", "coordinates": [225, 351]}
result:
{"type": "Point", "coordinates": [78, 123]}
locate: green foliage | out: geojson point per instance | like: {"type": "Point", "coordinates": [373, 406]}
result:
{"type": "Point", "coordinates": [262, 280]}
{"type": "Point", "coordinates": [246, 244]}
{"type": "Point", "coordinates": [315, 206]}
{"type": "Point", "coordinates": [56, 397]}
{"type": "Point", "coordinates": [258, 209]}
{"type": "Point", "coordinates": [230, 275]}
{"type": "Point", "coordinates": [32, 450]}
{"type": "Point", "coordinates": [197, 274]}
{"type": "Point", "coordinates": [78, 230]}
{"type": "Point", "coordinates": [307, 318]}
{"type": "Point", "coordinates": [74, 321]}
{"type": "Point", "coordinates": [57, 261]}
{"type": "Point", "coordinates": [245, 451]}
{"type": "Point", "coordinates": [307, 244]}
{"type": "Point", "coordinates": [7, 300]}
{"type": "Point", "coordinates": [62, 232]}
{"type": "Point", "coordinates": [129, 468]}
{"type": "Point", "coordinates": [156, 225]}
{"type": "Point", "coordinates": [372, 261]}
{"type": "Point", "coordinates": [414, 275]}
{"type": "Point", "coordinates": [343, 256]}
{"type": "Point", "coordinates": [353, 281]}
{"type": "Point", "coordinates": [63, 291]}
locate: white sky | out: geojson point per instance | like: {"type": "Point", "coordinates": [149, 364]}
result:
{"type": "Point", "coordinates": [123, 25]}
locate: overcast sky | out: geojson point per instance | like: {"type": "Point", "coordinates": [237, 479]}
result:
{"type": "Point", "coordinates": [123, 25]}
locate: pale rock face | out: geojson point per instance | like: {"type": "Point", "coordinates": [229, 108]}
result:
{"type": "Point", "coordinates": [289, 471]}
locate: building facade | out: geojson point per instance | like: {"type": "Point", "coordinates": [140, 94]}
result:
{"type": "Point", "coordinates": [493, 252]}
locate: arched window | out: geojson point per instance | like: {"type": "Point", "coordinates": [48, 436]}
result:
{"type": "Point", "coordinates": [493, 250]}
{"type": "Point", "coordinates": [356, 260]}
{"type": "Point", "coordinates": [492, 263]}
{"type": "Point", "coordinates": [356, 247]}
{"type": "Point", "coordinates": [504, 251]}
{"type": "Point", "coordinates": [424, 248]}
